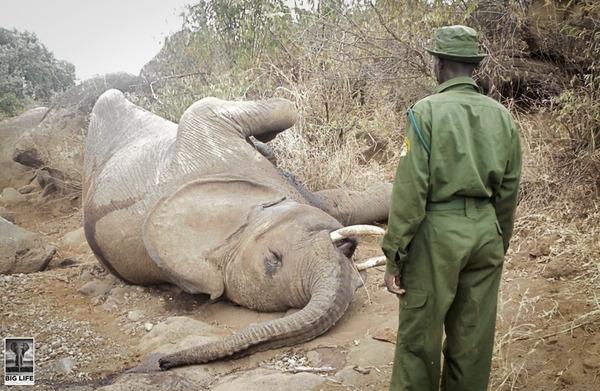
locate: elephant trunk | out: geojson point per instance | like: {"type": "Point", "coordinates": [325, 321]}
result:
{"type": "Point", "coordinates": [331, 293]}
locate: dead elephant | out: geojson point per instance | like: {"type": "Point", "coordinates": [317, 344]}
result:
{"type": "Point", "coordinates": [198, 206]}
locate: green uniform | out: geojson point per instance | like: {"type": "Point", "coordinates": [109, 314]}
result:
{"type": "Point", "coordinates": [449, 226]}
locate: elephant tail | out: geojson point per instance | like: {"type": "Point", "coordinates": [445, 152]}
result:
{"type": "Point", "coordinates": [332, 292]}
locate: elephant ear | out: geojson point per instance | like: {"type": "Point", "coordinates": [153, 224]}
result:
{"type": "Point", "coordinates": [184, 228]}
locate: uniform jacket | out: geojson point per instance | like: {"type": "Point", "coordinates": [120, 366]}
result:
{"type": "Point", "coordinates": [474, 152]}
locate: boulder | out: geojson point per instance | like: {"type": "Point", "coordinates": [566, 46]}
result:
{"type": "Point", "coordinates": [22, 251]}
{"type": "Point", "coordinates": [178, 332]}
{"type": "Point", "coordinates": [11, 196]}
{"type": "Point", "coordinates": [13, 174]}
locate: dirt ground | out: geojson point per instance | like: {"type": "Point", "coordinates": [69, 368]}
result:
{"type": "Point", "coordinates": [548, 332]}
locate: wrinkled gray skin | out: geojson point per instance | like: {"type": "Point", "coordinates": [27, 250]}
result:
{"type": "Point", "coordinates": [19, 349]}
{"type": "Point", "coordinates": [198, 206]}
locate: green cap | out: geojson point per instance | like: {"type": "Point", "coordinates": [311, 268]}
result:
{"type": "Point", "coordinates": [457, 43]}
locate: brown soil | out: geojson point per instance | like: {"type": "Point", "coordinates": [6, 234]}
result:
{"type": "Point", "coordinates": [548, 334]}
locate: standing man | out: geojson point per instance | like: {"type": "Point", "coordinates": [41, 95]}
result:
{"type": "Point", "coordinates": [450, 222]}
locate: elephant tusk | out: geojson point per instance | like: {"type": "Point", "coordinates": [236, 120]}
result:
{"type": "Point", "coordinates": [371, 262]}
{"type": "Point", "coordinates": [354, 231]}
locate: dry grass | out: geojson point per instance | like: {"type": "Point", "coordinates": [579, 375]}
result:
{"type": "Point", "coordinates": [555, 249]}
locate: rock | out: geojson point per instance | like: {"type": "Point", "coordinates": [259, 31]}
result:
{"type": "Point", "coordinates": [64, 365]}
{"type": "Point", "coordinates": [13, 174]}
{"type": "Point", "coordinates": [327, 357]}
{"type": "Point", "coordinates": [7, 214]}
{"type": "Point", "coordinates": [22, 251]}
{"type": "Point", "coordinates": [263, 380]}
{"type": "Point", "coordinates": [11, 196]}
{"type": "Point", "coordinates": [177, 332]}
{"type": "Point", "coordinates": [361, 370]}
{"type": "Point", "coordinates": [557, 269]}
{"type": "Point", "coordinates": [67, 262]}
{"type": "Point", "coordinates": [57, 141]}
{"type": "Point", "coordinates": [386, 334]}
{"type": "Point", "coordinates": [117, 296]}
{"type": "Point", "coordinates": [148, 326]}
{"type": "Point", "coordinates": [371, 353]}
{"type": "Point", "coordinates": [135, 315]}
{"type": "Point", "coordinates": [75, 240]}
{"type": "Point", "coordinates": [592, 362]}
{"type": "Point", "coordinates": [357, 379]}
{"type": "Point", "coordinates": [197, 377]}
{"type": "Point", "coordinates": [95, 288]}
{"type": "Point", "coordinates": [30, 188]}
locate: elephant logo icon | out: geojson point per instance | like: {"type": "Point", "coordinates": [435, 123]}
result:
{"type": "Point", "coordinates": [19, 361]}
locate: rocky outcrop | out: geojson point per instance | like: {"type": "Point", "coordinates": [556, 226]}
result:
{"type": "Point", "coordinates": [57, 141]}
{"type": "Point", "coordinates": [13, 174]}
{"type": "Point", "coordinates": [22, 251]}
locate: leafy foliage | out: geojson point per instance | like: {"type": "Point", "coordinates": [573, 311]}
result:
{"type": "Point", "coordinates": [29, 71]}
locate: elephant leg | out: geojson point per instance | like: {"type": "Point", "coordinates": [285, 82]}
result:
{"type": "Point", "coordinates": [261, 119]}
{"type": "Point", "coordinates": [264, 149]}
{"type": "Point", "coordinates": [357, 207]}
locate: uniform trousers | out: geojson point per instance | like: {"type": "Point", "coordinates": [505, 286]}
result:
{"type": "Point", "coordinates": [451, 278]}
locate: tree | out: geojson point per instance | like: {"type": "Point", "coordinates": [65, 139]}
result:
{"type": "Point", "coordinates": [28, 70]}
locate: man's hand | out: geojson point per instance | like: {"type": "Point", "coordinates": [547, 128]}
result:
{"type": "Point", "coordinates": [392, 283]}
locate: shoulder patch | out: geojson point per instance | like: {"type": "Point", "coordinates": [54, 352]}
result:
{"type": "Point", "coordinates": [405, 147]}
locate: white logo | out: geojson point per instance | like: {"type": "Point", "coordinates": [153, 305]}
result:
{"type": "Point", "coordinates": [19, 361]}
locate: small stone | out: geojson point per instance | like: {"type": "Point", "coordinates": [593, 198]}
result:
{"type": "Point", "coordinates": [95, 288]}
{"type": "Point", "coordinates": [135, 315]}
{"type": "Point", "coordinates": [361, 370]}
{"type": "Point", "coordinates": [591, 363]}
{"type": "Point", "coordinates": [148, 326]}
{"type": "Point", "coordinates": [64, 365]}
{"type": "Point", "coordinates": [386, 334]}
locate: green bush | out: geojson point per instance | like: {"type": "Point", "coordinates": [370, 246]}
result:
{"type": "Point", "coordinates": [10, 105]}
{"type": "Point", "coordinates": [29, 71]}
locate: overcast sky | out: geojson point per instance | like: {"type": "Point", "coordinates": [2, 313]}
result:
{"type": "Point", "coordinates": [97, 36]}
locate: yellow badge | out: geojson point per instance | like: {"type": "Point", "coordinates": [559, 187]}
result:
{"type": "Point", "coordinates": [405, 147]}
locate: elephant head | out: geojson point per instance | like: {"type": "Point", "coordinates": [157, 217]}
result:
{"type": "Point", "coordinates": [212, 215]}
{"type": "Point", "coordinates": [264, 251]}
{"type": "Point", "coordinates": [19, 348]}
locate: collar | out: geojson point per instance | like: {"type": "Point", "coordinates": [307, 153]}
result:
{"type": "Point", "coordinates": [457, 81]}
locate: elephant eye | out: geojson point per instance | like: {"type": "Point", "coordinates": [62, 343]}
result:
{"type": "Point", "coordinates": [275, 256]}
{"type": "Point", "coordinates": [273, 262]}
